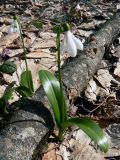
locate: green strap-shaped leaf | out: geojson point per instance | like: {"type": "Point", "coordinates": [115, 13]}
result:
{"type": "Point", "coordinates": [3, 108]}
{"type": "Point", "coordinates": [23, 91]}
{"type": "Point", "coordinates": [91, 129]}
{"type": "Point", "coordinates": [6, 96]}
{"type": "Point", "coordinates": [26, 80]}
{"type": "Point", "coordinates": [52, 88]}
{"type": "Point", "coordinates": [8, 93]}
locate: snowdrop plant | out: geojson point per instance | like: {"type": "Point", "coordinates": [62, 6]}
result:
{"type": "Point", "coordinates": [54, 91]}
{"type": "Point", "coordinates": [14, 27]}
{"type": "Point", "coordinates": [26, 87]}
{"type": "Point", "coordinates": [71, 44]}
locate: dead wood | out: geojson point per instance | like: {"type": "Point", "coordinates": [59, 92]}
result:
{"type": "Point", "coordinates": [77, 72]}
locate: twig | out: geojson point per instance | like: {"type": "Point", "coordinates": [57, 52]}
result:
{"type": "Point", "coordinates": [99, 105]}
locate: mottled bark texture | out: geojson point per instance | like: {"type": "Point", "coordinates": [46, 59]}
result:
{"type": "Point", "coordinates": [77, 72]}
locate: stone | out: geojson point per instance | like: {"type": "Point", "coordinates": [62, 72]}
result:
{"type": "Point", "coordinates": [26, 131]}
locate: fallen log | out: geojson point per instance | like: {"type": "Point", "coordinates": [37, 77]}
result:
{"type": "Point", "coordinates": [24, 135]}
{"type": "Point", "coordinates": [76, 72]}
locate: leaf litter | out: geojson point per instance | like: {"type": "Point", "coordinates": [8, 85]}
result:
{"type": "Point", "coordinates": [102, 93]}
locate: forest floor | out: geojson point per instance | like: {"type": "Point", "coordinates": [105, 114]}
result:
{"type": "Point", "coordinates": [102, 94]}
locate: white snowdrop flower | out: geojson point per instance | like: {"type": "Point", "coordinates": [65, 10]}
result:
{"type": "Point", "coordinates": [14, 27]}
{"type": "Point", "coordinates": [78, 7]}
{"type": "Point", "coordinates": [71, 44]}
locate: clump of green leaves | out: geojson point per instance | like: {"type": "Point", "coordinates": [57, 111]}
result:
{"type": "Point", "coordinates": [54, 92]}
{"type": "Point", "coordinates": [25, 87]}
{"type": "Point", "coordinates": [26, 82]}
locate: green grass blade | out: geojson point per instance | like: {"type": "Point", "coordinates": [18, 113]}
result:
{"type": "Point", "coordinates": [52, 88]}
{"type": "Point", "coordinates": [91, 129]}
{"type": "Point", "coordinates": [26, 80]}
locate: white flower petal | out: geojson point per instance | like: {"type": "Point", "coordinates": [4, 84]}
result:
{"type": "Point", "coordinates": [11, 30]}
{"type": "Point", "coordinates": [78, 7]}
{"type": "Point", "coordinates": [78, 43]}
{"type": "Point", "coordinates": [14, 27]}
{"type": "Point", "coordinates": [71, 46]}
{"type": "Point", "coordinates": [63, 47]}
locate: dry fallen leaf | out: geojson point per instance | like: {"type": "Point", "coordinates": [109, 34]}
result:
{"type": "Point", "coordinates": [117, 69]}
{"type": "Point", "coordinates": [29, 39]}
{"type": "Point", "coordinates": [104, 77]}
{"type": "Point", "coordinates": [39, 54]}
{"type": "Point", "coordinates": [51, 154]}
{"type": "Point", "coordinates": [84, 33]}
{"type": "Point", "coordinates": [109, 104]}
{"type": "Point", "coordinates": [92, 90]}
{"type": "Point", "coordinates": [40, 43]}
{"type": "Point", "coordinates": [15, 52]}
{"type": "Point", "coordinates": [35, 68]}
{"type": "Point", "coordinates": [8, 39]}
{"type": "Point", "coordinates": [100, 85]}
{"type": "Point", "coordinates": [4, 28]}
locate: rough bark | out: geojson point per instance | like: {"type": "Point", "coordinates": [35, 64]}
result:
{"type": "Point", "coordinates": [76, 72]}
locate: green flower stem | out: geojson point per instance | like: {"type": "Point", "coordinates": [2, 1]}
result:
{"type": "Point", "coordinates": [59, 66]}
{"type": "Point", "coordinates": [24, 49]}
{"type": "Point", "coordinates": [62, 132]}
{"type": "Point", "coordinates": [59, 73]}
{"type": "Point", "coordinates": [22, 40]}
{"type": "Point", "coordinates": [61, 135]}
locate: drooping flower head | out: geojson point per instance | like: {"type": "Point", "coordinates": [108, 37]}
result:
{"type": "Point", "coordinates": [70, 43]}
{"type": "Point", "coordinates": [14, 27]}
